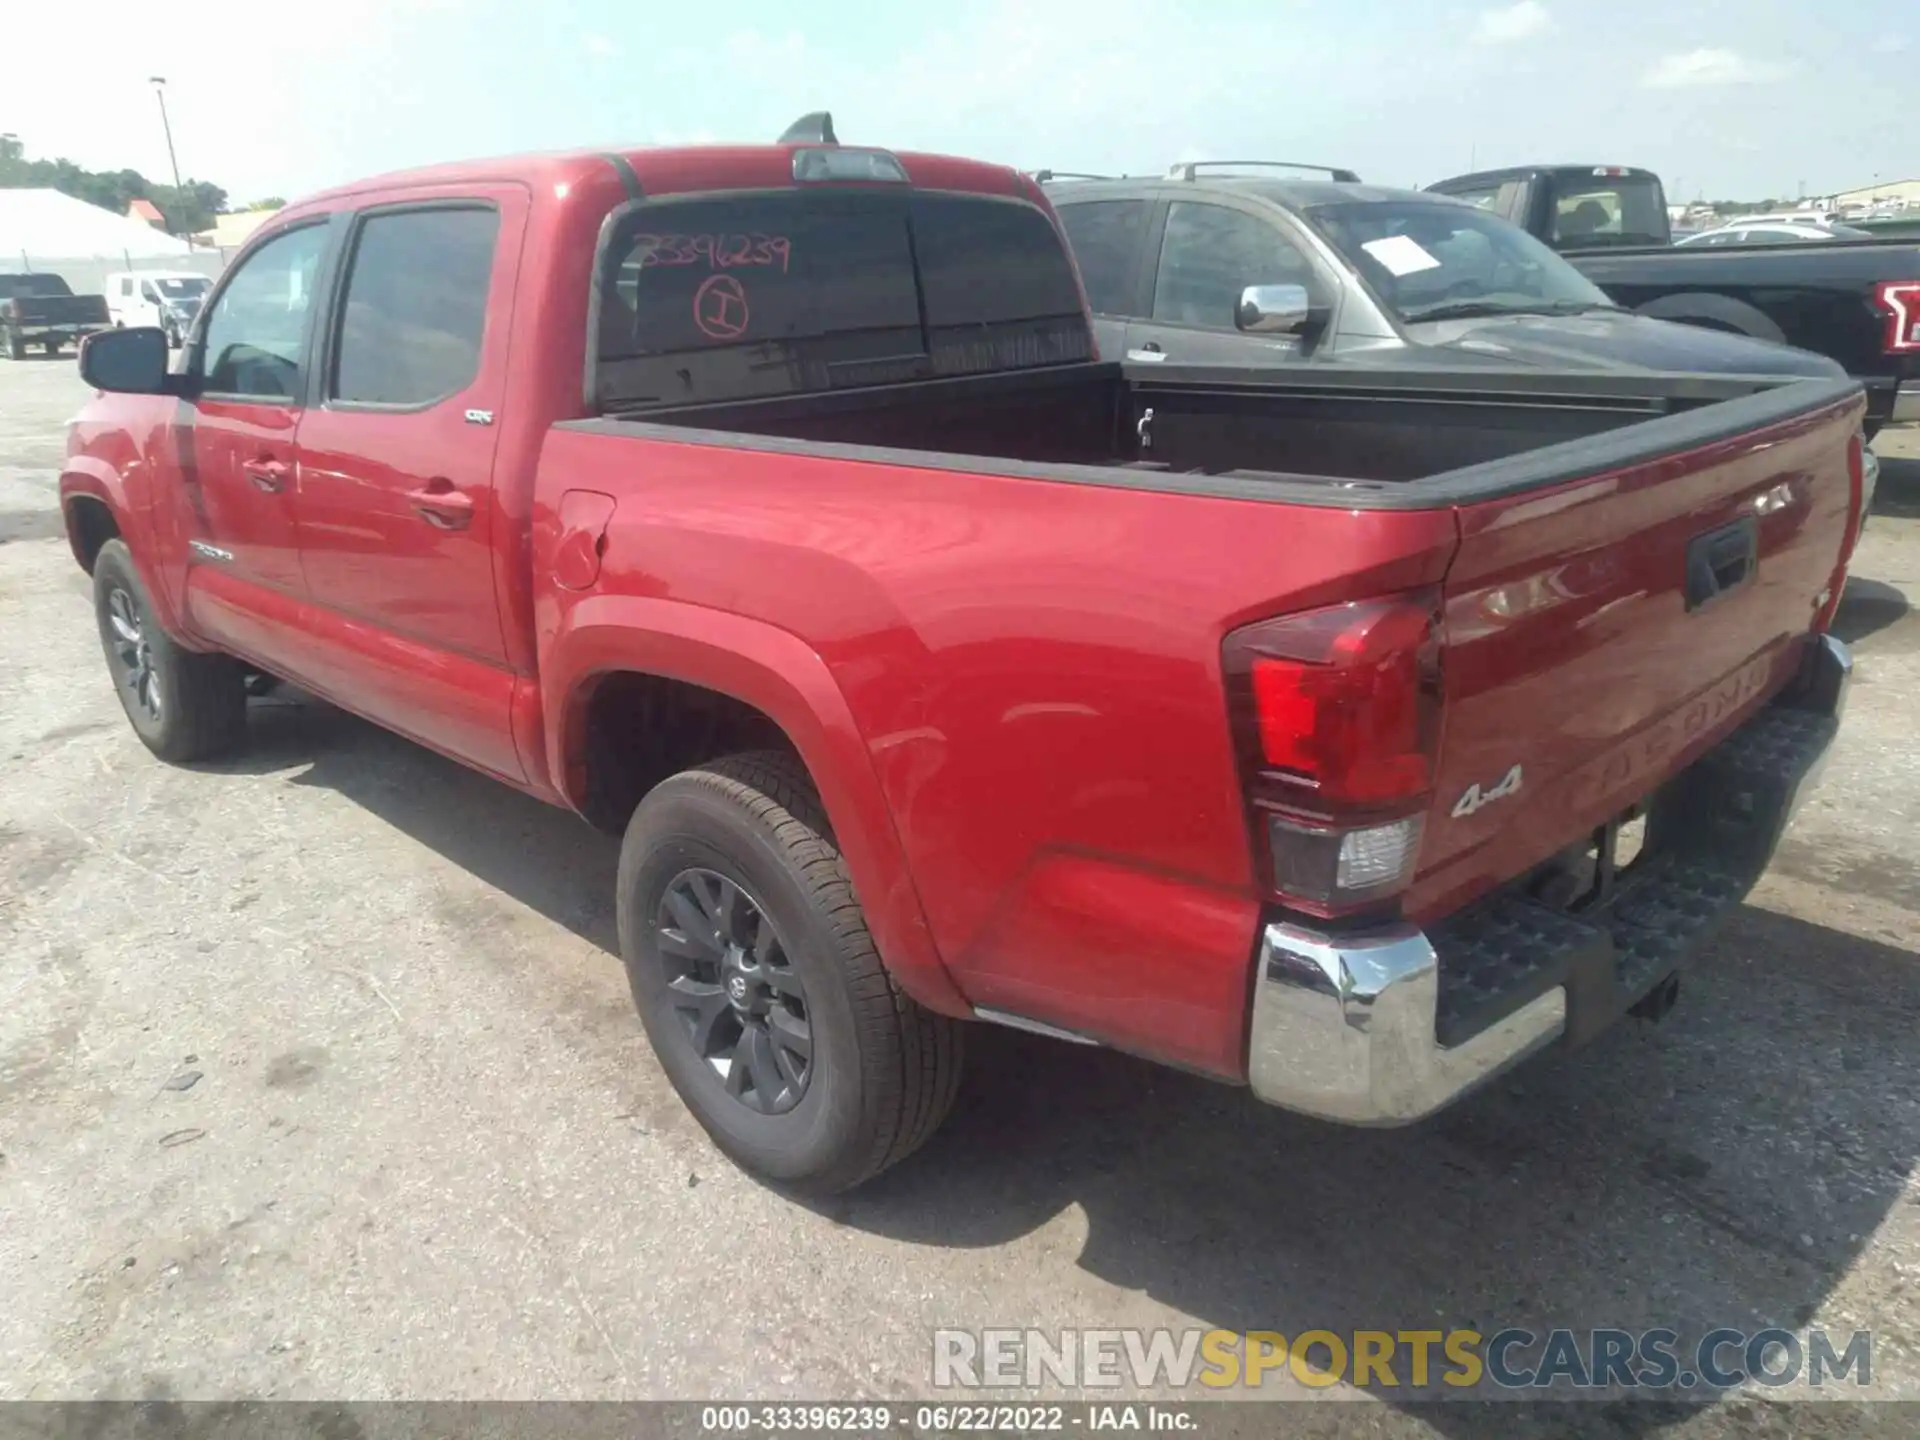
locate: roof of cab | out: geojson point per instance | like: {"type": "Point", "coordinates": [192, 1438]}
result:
{"type": "Point", "coordinates": [667, 170]}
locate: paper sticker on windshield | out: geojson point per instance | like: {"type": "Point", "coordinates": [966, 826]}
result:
{"type": "Point", "coordinates": [1401, 255]}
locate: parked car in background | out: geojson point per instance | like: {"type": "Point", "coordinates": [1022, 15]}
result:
{"type": "Point", "coordinates": [1855, 301]}
{"type": "Point", "coordinates": [1812, 215]}
{"type": "Point", "coordinates": [166, 299]}
{"type": "Point", "coordinates": [1772, 232]}
{"type": "Point", "coordinates": [767, 506]}
{"type": "Point", "coordinates": [1211, 267]}
{"type": "Point", "coordinates": [38, 308]}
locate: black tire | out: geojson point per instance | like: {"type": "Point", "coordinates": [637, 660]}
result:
{"type": "Point", "coordinates": [16, 345]}
{"type": "Point", "coordinates": [52, 348]}
{"type": "Point", "coordinates": [882, 1072]}
{"type": "Point", "coordinates": [184, 706]}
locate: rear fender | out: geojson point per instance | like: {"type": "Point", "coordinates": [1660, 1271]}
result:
{"type": "Point", "coordinates": [780, 675]}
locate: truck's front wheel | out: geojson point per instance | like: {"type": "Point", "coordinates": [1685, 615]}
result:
{"type": "Point", "coordinates": [183, 706]}
{"type": "Point", "coordinates": [760, 987]}
{"type": "Point", "coordinates": [15, 342]}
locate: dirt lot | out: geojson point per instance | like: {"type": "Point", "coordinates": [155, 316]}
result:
{"type": "Point", "coordinates": [428, 1153]}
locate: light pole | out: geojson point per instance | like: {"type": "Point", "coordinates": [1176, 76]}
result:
{"type": "Point", "coordinates": [159, 83]}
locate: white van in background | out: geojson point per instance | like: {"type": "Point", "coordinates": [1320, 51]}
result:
{"type": "Point", "coordinates": [170, 299]}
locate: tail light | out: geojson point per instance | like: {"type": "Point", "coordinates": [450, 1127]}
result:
{"type": "Point", "coordinates": [1336, 716]}
{"type": "Point", "coordinates": [1900, 299]}
{"type": "Point", "coordinates": [1856, 522]}
{"type": "Point", "coordinates": [1857, 489]}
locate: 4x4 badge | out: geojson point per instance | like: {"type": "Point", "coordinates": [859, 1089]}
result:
{"type": "Point", "coordinates": [1477, 799]}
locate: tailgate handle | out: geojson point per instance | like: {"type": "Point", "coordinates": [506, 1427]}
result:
{"type": "Point", "coordinates": [1721, 560]}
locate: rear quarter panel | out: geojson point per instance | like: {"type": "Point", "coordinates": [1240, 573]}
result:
{"type": "Point", "coordinates": [1028, 683]}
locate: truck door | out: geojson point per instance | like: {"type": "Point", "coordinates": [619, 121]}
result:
{"type": "Point", "coordinates": [235, 440]}
{"type": "Point", "coordinates": [398, 519]}
{"type": "Point", "coordinates": [1209, 253]}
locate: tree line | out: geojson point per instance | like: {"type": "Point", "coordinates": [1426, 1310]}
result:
{"type": "Point", "coordinates": [189, 209]}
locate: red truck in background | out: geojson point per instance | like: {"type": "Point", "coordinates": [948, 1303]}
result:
{"type": "Point", "coordinates": [769, 507]}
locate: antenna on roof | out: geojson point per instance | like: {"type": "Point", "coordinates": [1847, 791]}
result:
{"type": "Point", "coordinates": [814, 129]}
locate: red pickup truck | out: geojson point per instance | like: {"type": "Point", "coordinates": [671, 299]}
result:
{"type": "Point", "coordinates": [1351, 736]}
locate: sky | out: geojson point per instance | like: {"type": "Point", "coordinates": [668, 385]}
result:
{"type": "Point", "coordinates": [1726, 98]}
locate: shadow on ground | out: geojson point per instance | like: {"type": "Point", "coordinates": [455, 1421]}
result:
{"type": "Point", "coordinates": [1724, 1168]}
{"type": "Point", "coordinates": [1898, 493]}
{"type": "Point", "coordinates": [1868, 607]}
{"type": "Point", "coordinates": [548, 859]}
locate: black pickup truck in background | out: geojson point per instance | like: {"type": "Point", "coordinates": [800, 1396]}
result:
{"type": "Point", "coordinates": [41, 309]}
{"type": "Point", "coordinates": [1855, 301]}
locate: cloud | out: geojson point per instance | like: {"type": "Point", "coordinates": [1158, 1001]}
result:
{"type": "Point", "coordinates": [1695, 68]}
{"type": "Point", "coordinates": [600, 47]}
{"type": "Point", "coordinates": [1890, 45]}
{"type": "Point", "coordinates": [1516, 22]}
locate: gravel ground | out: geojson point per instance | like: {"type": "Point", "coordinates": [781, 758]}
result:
{"type": "Point", "coordinates": [319, 1079]}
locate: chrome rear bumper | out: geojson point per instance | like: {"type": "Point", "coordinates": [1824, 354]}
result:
{"type": "Point", "coordinates": [1386, 1027]}
{"type": "Point", "coordinates": [1345, 1029]}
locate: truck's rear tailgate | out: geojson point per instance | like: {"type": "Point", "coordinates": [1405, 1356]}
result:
{"type": "Point", "coordinates": [1601, 634]}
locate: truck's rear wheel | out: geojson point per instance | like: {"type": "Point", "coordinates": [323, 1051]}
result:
{"type": "Point", "coordinates": [52, 347]}
{"type": "Point", "coordinates": [183, 706]}
{"type": "Point", "coordinates": [759, 985]}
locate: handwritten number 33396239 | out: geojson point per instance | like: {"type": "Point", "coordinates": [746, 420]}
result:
{"type": "Point", "coordinates": [718, 252]}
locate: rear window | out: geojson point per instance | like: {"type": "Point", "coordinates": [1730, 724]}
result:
{"type": "Point", "coordinates": [796, 291]}
{"type": "Point", "coordinates": [415, 309]}
{"type": "Point", "coordinates": [1106, 236]}
{"type": "Point", "coordinates": [1591, 210]}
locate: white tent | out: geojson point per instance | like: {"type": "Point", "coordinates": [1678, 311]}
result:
{"type": "Point", "coordinates": [40, 229]}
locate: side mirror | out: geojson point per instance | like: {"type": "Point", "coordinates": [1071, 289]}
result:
{"type": "Point", "coordinates": [127, 362]}
{"type": "Point", "coordinates": [1273, 309]}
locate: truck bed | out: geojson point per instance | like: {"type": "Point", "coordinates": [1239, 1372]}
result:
{"type": "Point", "coordinates": [1301, 434]}
{"type": "Point", "coordinates": [1057, 646]}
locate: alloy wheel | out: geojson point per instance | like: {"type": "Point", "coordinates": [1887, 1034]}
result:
{"type": "Point", "coordinates": [132, 654]}
{"type": "Point", "coordinates": [732, 986]}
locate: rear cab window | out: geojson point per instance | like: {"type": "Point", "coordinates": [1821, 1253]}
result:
{"type": "Point", "coordinates": [789, 292]}
{"type": "Point", "coordinates": [1589, 210]}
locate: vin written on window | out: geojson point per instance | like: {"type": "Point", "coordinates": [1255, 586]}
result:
{"type": "Point", "coordinates": [804, 291]}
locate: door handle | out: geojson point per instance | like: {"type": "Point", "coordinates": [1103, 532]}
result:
{"type": "Point", "coordinates": [1149, 351]}
{"type": "Point", "coordinates": [267, 474]}
{"type": "Point", "coordinates": [442, 506]}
